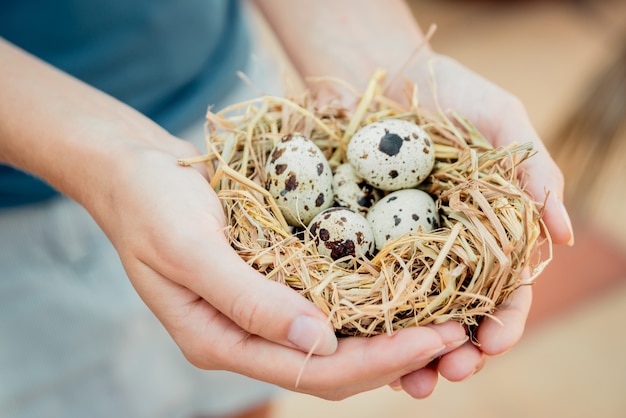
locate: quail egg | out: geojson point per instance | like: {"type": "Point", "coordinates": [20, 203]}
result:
{"type": "Point", "coordinates": [299, 178]}
{"type": "Point", "coordinates": [340, 232]}
{"type": "Point", "coordinates": [400, 212]}
{"type": "Point", "coordinates": [352, 191]}
{"type": "Point", "coordinates": [392, 154]}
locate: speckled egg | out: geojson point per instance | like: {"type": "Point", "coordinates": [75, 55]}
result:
{"type": "Point", "coordinates": [400, 212]}
{"type": "Point", "coordinates": [299, 177]}
{"type": "Point", "coordinates": [392, 154]}
{"type": "Point", "coordinates": [341, 232]}
{"type": "Point", "coordinates": [352, 192]}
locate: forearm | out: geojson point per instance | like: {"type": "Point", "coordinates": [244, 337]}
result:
{"type": "Point", "coordinates": [62, 130]}
{"type": "Point", "coordinates": [348, 39]}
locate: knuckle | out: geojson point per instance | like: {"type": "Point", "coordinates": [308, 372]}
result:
{"type": "Point", "coordinates": [244, 310]}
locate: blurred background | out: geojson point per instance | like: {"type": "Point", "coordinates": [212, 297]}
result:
{"type": "Point", "coordinates": [566, 60]}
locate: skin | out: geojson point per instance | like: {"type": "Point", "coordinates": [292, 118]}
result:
{"type": "Point", "coordinates": [166, 222]}
{"type": "Point", "coordinates": [365, 38]}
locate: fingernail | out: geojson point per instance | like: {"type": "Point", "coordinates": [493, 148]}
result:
{"type": "Point", "coordinates": [310, 334]}
{"type": "Point", "coordinates": [568, 221]}
{"type": "Point", "coordinates": [456, 344]}
{"type": "Point", "coordinates": [451, 346]}
{"type": "Point", "coordinates": [396, 385]}
{"type": "Point", "coordinates": [434, 353]}
{"type": "Point", "coordinates": [476, 370]}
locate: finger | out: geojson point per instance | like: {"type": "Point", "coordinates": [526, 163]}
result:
{"type": "Point", "coordinates": [498, 336]}
{"type": "Point", "coordinates": [359, 364]}
{"type": "Point", "coordinates": [210, 340]}
{"type": "Point", "coordinates": [207, 337]}
{"type": "Point", "coordinates": [413, 348]}
{"type": "Point", "coordinates": [258, 305]}
{"type": "Point", "coordinates": [421, 383]}
{"type": "Point", "coordinates": [555, 214]}
{"type": "Point", "coordinates": [396, 384]}
{"type": "Point", "coordinates": [461, 363]}
{"type": "Point", "coordinates": [453, 333]}
{"type": "Point", "coordinates": [545, 183]}
{"type": "Point", "coordinates": [544, 178]}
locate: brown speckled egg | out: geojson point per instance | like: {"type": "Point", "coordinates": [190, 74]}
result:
{"type": "Point", "coordinates": [352, 192]}
{"type": "Point", "coordinates": [400, 212]}
{"type": "Point", "coordinates": [392, 154]}
{"type": "Point", "coordinates": [341, 232]}
{"type": "Point", "coordinates": [299, 178]}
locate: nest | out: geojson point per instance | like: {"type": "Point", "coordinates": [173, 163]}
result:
{"type": "Point", "coordinates": [485, 248]}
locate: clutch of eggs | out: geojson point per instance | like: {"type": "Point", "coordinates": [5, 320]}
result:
{"type": "Point", "coordinates": [373, 196]}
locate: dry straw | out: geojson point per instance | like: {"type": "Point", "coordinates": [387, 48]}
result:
{"type": "Point", "coordinates": [487, 245]}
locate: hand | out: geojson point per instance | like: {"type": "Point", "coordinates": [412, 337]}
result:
{"type": "Point", "coordinates": [502, 119]}
{"type": "Point", "coordinates": [168, 227]}
{"type": "Point", "coordinates": [495, 338]}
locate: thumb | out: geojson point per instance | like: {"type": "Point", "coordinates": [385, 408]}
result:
{"type": "Point", "coordinates": [259, 306]}
{"type": "Point", "coordinates": [544, 178]}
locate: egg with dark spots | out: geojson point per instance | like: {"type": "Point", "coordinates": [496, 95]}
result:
{"type": "Point", "coordinates": [299, 178]}
{"type": "Point", "coordinates": [392, 154]}
{"type": "Point", "coordinates": [352, 192]}
{"type": "Point", "coordinates": [401, 212]}
{"type": "Point", "coordinates": [342, 233]}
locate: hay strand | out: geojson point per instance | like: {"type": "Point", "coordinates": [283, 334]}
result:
{"type": "Point", "coordinates": [490, 230]}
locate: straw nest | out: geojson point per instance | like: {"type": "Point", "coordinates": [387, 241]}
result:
{"type": "Point", "coordinates": [490, 228]}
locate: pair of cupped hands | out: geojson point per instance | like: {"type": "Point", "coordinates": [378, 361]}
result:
{"type": "Point", "coordinates": [168, 228]}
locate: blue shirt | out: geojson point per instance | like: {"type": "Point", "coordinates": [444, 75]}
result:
{"type": "Point", "coordinates": [168, 59]}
